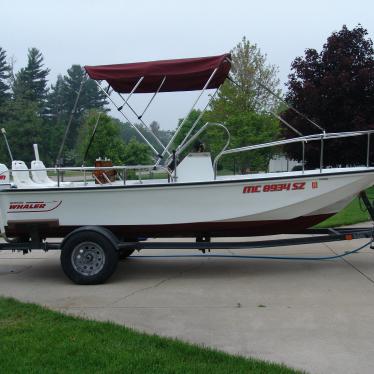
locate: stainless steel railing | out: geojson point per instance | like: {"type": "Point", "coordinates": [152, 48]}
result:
{"type": "Point", "coordinates": [172, 175]}
{"type": "Point", "coordinates": [303, 140]}
{"type": "Point", "coordinates": [122, 172]}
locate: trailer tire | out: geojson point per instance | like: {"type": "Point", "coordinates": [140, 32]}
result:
{"type": "Point", "coordinates": [88, 257]}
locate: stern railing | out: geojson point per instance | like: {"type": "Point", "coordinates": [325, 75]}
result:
{"type": "Point", "coordinates": [303, 140]}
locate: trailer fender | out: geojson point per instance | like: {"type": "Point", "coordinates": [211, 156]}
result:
{"type": "Point", "coordinates": [98, 229]}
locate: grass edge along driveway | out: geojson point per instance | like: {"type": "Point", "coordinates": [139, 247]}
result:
{"type": "Point", "coordinates": [39, 340]}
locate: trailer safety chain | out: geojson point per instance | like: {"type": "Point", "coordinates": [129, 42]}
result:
{"type": "Point", "coordinates": [320, 258]}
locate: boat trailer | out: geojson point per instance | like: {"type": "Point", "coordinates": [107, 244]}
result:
{"type": "Point", "coordinates": [321, 236]}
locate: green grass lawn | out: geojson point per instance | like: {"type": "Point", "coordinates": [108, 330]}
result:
{"type": "Point", "coordinates": [37, 340]}
{"type": "Point", "coordinates": [351, 214]}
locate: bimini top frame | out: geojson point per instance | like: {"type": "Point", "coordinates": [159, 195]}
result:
{"type": "Point", "coordinates": [161, 76]}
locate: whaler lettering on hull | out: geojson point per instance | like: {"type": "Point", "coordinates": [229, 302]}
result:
{"type": "Point", "coordinates": [33, 206]}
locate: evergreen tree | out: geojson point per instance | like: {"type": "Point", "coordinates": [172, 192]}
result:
{"type": "Point", "coordinates": [93, 97]}
{"type": "Point", "coordinates": [4, 77]}
{"type": "Point", "coordinates": [90, 97]}
{"type": "Point", "coordinates": [70, 88]}
{"type": "Point", "coordinates": [63, 97]}
{"type": "Point", "coordinates": [55, 100]}
{"type": "Point", "coordinates": [24, 127]}
{"type": "Point", "coordinates": [31, 81]}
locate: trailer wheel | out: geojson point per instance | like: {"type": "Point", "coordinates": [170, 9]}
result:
{"type": "Point", "coordinates": [87, 257]}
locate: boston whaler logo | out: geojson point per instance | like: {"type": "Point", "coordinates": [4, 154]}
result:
{"type": "Point", "coordinates": [33, 206]}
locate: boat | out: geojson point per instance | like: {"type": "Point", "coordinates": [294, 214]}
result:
{"type": "Point", "coordinates": [193, 201]}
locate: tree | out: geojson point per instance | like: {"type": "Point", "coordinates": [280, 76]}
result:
{"type": "Point", "coordinates": [4, 77]}
{"type": "Point", "coordinates": [335, 88]}
{"type": "Point", "coordinates": [90, 97]}
{"type": "Point", "coordinates": [31, 82]}
{"type": "Point", "coordinates": [246, 128]}
{"type": "Point", "coordinates": [137, 153]}
{"type": "Point", "coordinates": [191, 119]}
{"type": "Point", "coordinates": [56, 115]}
{"type": "Point", "coordinates": [155, 128]}
{"type": "Point", "coordinates": [24, 127]}
{"type": "Point", "coordinates": [23, 121]}
{"type": "Point", "coordinates": [242, 107]}
{"type": "Point", "coordinates": [56, 105]}
{"type": "Point", "coordinates": [64, 94]}
{"type": "Point", "coordinates": [251, 74]}
{"type": "Point", "coordinates": [128, 133]}
{"type": "Point", "coordinates": [35, 114]}
{"type": "Point", "coordinates": [106, 143]}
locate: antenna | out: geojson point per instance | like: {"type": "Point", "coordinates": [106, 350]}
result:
{"type": "Point", "coordinates": [7, 144]}
{"type": "Point", "coordinates": [58, 159]}
{"type": "Point", "coordinates": [91, 139]}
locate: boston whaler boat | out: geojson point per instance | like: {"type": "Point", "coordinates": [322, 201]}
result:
{"type": "Point", "coordinates": [112, 214]}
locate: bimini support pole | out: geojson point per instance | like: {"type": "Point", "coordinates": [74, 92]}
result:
{"type": "Point", "coordinates": [197, 121]}
{"type": "Point", "coordinates": [285, 123]}
{"type": "Point", "coordinates": [125, 117]}
{"type": "Point", "coordinates": [139, 117]}
{"type": "Point", "coordinates": [154, 95]}
{"type": "Point", "coordinates": [132, 91]}
{"type": "Point", "coordinates": [185, 118]}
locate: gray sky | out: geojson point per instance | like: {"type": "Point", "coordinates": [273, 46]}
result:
{"type": "Point", "coordinates": [113, 31]}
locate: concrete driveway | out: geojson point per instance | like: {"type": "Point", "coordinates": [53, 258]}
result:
{"type": "Point", "coordinates": [317, 316]}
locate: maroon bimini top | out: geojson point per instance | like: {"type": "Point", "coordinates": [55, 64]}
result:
{"type": "Point", "coordinates": [187, 74]}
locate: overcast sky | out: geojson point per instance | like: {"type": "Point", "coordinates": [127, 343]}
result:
{"type": "Point", "coordinates": [92, 32]}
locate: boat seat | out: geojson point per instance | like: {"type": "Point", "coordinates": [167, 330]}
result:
{"type": "Point", "coordinates": [39, 174]}
{"type": "Point", "coordinates": [21, 175]}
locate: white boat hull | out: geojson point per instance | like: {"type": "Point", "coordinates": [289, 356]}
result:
{"type": "Point", "coordinates": [243, 206]}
